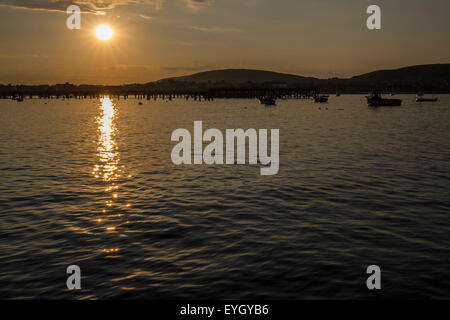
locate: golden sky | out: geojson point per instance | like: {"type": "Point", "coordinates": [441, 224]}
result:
{"type": "Point", "coordinates": [154, 39]}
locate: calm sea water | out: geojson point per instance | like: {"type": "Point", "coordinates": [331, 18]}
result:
{"type": "Point", "coordinates": [91, 183]}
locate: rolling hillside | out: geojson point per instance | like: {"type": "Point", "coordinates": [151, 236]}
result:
{"type": "Point", "coordinates": [434, 77]}
{"type": "Point", "coordinates": [242, 76]}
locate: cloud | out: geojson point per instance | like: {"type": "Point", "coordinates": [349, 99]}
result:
{"type": "Point", "coordinates": [146, 17]}
{"type": "Point", "coordinates": [20, 56]}
{"type": "Point", "coordinates": [85, 5]}
{"type": "Point", "coordinates": [94, 6]}
{"type": "Point", "coordinates": [215, 29]}
{"type": "Point", "coordinates": [182, 69]}
{"type": "Point", "coordinates": [197, 4]}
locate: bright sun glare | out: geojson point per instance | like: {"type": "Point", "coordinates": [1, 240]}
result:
{"type": "Point", "coordinates": [104, 32]}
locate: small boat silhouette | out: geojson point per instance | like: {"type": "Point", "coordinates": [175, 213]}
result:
{"type": "Point", "coordinates": [419, 98]}
{"type": "Point", "coordinates": [375, 100]}
{"type": "Point", "coordinates": [320, 99]}
{"type": "Point", "coordinates": [268, 100]}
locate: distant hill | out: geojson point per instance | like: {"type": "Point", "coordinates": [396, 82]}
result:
{"type": "Point", "coordinates": [414, 73]}
{"type": "Point", "coordinates": [433, 78]}
{"type": "Point", "coordinates": [243, 76]}
{"type": "Point", "coordinates": [429, 78]}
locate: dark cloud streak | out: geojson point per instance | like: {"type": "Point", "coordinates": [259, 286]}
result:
{"type": "Point", "coordinates": [199, 3]}
{"type": "Point", "coordinates": [62, 5]}
{"type": "Point", "coordinates": [92, 6]}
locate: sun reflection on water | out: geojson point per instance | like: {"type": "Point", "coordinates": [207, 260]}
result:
{"type": "Point", "coordinates": [108, 169]}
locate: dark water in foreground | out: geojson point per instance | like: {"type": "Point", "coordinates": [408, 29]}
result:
{"type": "Point", "coordinates": [93, 184]}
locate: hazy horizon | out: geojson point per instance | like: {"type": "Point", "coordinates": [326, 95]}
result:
{"type": "Point", "coordinates": [204, 71]}
{"type": "Point", "coordinates": [157, 39]}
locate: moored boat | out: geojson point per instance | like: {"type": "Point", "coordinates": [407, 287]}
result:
{"type": "Point", "coordinates": [426, 100]}
{"type": "Point", "coordinates": [375, 100]}
{"type": "Point", "coordinates": [267, 100]}
{"type": "Point", "coordinates": [420, 98]}
{"type": "Point", "coordinates": [320, 99]}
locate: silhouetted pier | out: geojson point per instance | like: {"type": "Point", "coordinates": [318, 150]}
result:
{"type": "Point", "coordinates": [119, 92]}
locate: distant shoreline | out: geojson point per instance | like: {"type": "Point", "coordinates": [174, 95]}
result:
{"type": "Point", "coordinates": [433, 78]}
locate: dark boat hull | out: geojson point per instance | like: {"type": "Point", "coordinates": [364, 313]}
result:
{"type": "Point", "coordinates": [321, 99]}
{"type": "Point", "coordinates": [426, 100]}
{"type": "Point", "coordinates": [380, 102]}
{"type": "Point", "coordinates": [267, 101]}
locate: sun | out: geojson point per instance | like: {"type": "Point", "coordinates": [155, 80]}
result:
{"type": "Point", "coordinates": [104, 32]}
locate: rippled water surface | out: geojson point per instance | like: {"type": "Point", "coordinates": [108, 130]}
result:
{"type": "Point", "coordinates": [91, 183]}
